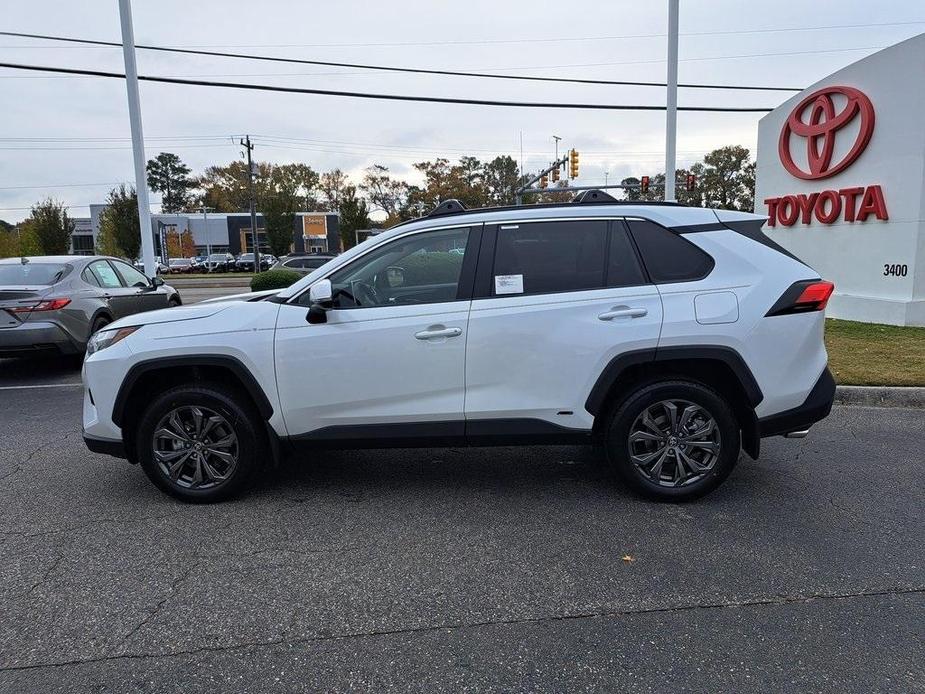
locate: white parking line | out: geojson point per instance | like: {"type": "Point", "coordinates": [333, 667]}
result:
{"type": "Point", "coordinates": [47, 385]}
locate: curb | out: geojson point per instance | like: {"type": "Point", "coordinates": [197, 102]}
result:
{"type": "Point", "coordinates": [880, 396]}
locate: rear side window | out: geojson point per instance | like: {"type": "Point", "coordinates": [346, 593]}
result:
{"type": "Point", "coordinates": [549, 257]}
{"type": "Point", "coordinates": [667, 256]}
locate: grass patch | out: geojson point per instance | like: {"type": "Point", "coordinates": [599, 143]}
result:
{"type": "Point", "coordinates": [870, 354]}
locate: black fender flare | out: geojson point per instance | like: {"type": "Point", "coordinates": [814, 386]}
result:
{"type": "Point", "coordinates": [619, 364]}
{"type": "Point", "coordinates": [223, 361]}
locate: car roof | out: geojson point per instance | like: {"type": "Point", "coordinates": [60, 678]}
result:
{"type": "Point", "coordinates": [58, 259]}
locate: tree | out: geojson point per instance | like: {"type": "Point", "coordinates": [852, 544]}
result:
{"type": "Point", "coordinates": [333, 185]}
{"type": "Point", "coordinates": [52, 227]}
{"type": "Point", "coordinates": [169, 176]}
{"type": "Point", "coordinates": [226, 188]}
{"type": "Point", "coordinates": [387, 194]}
{"type": "Point", "coordinates": [500, 181]}
{"type": "Point", "coordinates": [354, 215]}
{"type": "Point", "coordinates": [6, 226]}
{"type": "Point", "coordinates": [728, 180]}
{"type": "Point", "coordinates": [180, 244]}
{"type": "Point", "coordinates": [19, 240]}
{"type": "Point", "coordinates": [282, 191]}
{"type": "Point", "coordinates": [119, 228]}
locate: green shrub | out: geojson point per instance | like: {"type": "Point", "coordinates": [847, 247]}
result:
{"type": "Point", "coordinates": [274, 279]}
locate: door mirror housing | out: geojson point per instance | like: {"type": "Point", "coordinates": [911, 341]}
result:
{"type": "Point", "coordinates": [157, 281]}
{"type": "Point", "coordinates": [321, 293]}
{"type": "Point", "coordinates": [321, 296]}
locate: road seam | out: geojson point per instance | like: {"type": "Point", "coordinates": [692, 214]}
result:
{"type": "Point", "coordinates": [775, 601]}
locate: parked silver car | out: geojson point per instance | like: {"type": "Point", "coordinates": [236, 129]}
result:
{"type": "Point", "coordinates": [303, 263]}
{"type": "Point", "coordinates": [54, 303]}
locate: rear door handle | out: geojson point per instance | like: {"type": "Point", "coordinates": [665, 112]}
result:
{"type": "Point", "coordinates": [624, 313]}
{"type": "Point", "coordinates": [438, 333]}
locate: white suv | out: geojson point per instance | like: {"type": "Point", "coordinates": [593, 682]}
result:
{"type": "Point", "coordinates": [674, 337]}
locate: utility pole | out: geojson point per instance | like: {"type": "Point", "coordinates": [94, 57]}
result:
{"type": "Point", "coordinates": [246, 143]}
{"type": "Point", "coordinates": [138, 146]}
{"type": "Point", "coordinates": [557, 138]}
{"type": "Point", "coordinates": [205, 223]}
{"type": "Point", "coordinates": [671, 113]}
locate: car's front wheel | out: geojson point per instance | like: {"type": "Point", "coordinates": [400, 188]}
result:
{"type": "Point", "coordinates": [200, 443]}
{"type": "Point", "coordinates": [674, 440]}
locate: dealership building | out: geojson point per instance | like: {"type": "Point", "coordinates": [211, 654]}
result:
{"type": "Point", "coordinates": [312, 232]}
{"type": "Point", "coordinates": [841, 176]}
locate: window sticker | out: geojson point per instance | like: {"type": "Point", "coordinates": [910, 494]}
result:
{"type": "Point", "coordinates": [509, 284]}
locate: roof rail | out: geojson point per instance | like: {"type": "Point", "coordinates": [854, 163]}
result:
{"type": "Point", "coordinates": [588, 196]}
{"type": "Point", "coordinates": [447, 207]}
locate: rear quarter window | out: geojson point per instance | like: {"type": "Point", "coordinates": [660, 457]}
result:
{"type": "Point", "coordinates": [668, 256]}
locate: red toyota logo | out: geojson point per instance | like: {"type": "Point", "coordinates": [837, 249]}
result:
{"type": "Point", "coordinates": [821, 128]}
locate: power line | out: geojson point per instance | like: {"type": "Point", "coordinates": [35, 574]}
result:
{"type": "Point", "coordinates": [386, 97]}
{"type": "Point", "coordinates": [385, 68]}
{"type": "Point", "coordinates": [557, 39]}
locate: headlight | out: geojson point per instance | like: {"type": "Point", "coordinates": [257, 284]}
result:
{"type": "Point", "coordinates": [107, 338]}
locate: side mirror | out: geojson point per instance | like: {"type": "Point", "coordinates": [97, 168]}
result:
{"type": "Point", "coordinates": [157, 281]}
{"type": "Point", "coordinates": [321, 296]}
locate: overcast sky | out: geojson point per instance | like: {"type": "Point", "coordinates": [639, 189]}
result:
{"type": "Point", "coordinates": [79, 128]}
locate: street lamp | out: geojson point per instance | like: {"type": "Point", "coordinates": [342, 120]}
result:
{"type": "Point", "coordinates": [205, 220]}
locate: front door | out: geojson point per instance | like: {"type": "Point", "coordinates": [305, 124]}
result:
{"type": "Point", "coordinates": [148, 297]}
{"type": "Point", "coordinates": [122, 300]}
{"type": "Point", "coordinates": [389, 362]}
{"type": "Point", "coordinates": [562, 299]}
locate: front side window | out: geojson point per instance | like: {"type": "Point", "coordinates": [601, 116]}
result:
{"type": "Point", "coordinates": [419, 269]}
{"type": "Point", "coordinates": [132, 277]}
{"type": "Point", "coordinates": [549, 257]}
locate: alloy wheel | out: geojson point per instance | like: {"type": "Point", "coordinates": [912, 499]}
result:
{"type": "Point", "coordinates": [674, 443]}
{"type": "Point", "coordinates": [195, 447]}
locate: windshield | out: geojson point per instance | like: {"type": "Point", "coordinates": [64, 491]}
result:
{"type": "Point", "coordinates": [179, 262]}
{"type": "Point", "coordinates": [14, 274]}
{"type": "Point", "coordinates": [246, 256]}
{"type": "Point", "coordinates": [217, 256]}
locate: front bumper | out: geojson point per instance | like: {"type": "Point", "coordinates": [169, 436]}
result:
{"type": "Point", "coordinates": [105, 446]}
{"type": "Point", "coordinates": [32, 337]}
{"type": "Point", "coordinates": [816, 407]}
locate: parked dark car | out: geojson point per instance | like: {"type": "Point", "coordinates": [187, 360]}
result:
{"type": "Point", "coordinates": [245, 262]}
{"type": "Point", "coordinates": [180, 266]}
{"type": "Point", "coordinates": [219, 262]}
{"type": "Point", "coordinates": [302, 263]}
{"type": "Point", "coordinates": [55, 303]}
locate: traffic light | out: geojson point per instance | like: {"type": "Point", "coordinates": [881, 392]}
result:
{"type": "Point", "coordinates": [644, 184]}
{"type": "Point", "coordinates": [543, 181]}
{"type": "Point", "coordinates": [573, 163]}
{"type": "Point", "coordinates": [555, 174]}
{"type": "Point", "coordinates": [691, 182]}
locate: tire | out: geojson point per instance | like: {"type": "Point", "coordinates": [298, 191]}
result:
{"type": "Point", "coordinates": [229, 468]}
{"type": "Point", "coordinates": [99, 323]}
{"type": "Point", "coordinates": [173, 302]}
{"type": "Point", "coordinates": [671, 463]}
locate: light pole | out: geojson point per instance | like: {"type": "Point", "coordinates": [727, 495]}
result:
{"type": "Point", "coordinates": [138, 147]}
{"type": "Point", "coordinates": [557, 138]}
{"type": "Point", "coordinates": [671, 113]}
{"type": "Point", "coordinates": [205, 221]}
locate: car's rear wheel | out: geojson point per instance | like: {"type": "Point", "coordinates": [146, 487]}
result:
{"type": "Point", "coordinates": [200, 443]}
{"type": "Point", "coordinates": [673, 440]}
{"type": "Point", "coordinates": [98, 324]}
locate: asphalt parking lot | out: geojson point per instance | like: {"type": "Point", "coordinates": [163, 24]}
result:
{"type": "Point", "coordinates": [446, 570]}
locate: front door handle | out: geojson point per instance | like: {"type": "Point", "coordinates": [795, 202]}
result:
{"type": "Point", "coordinates": [436, 333]}
{"type": "Point", "coordinates": [624, 312]}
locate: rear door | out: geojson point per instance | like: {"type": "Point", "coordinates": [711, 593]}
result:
{"type": "Point", "coordinates": [554, 302]}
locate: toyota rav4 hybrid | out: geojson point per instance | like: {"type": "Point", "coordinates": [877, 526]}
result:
{"type": "Point", "coordinates": [671, 337]}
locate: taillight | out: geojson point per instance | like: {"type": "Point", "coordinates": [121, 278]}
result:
{"type": "Point", "coordinates": [45, 305]}
{"type": "Point", "coordinates": [808, 295]}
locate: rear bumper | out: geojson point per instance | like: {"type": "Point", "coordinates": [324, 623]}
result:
{"type": "Point", "coordinates": [36, 337]}
{"type": "Point", "coordinates": [816, 407]}
{"type": "Point", "coordinates": [105, 446]}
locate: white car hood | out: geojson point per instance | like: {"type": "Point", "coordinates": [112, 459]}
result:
{"type": "Point", "coordinates": [168, 315]}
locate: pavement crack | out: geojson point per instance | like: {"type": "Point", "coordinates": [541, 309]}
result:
{"type": "Point", "coordinates": [157, 608]}
{"type": "Point", "coordinates": [755, 602]}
